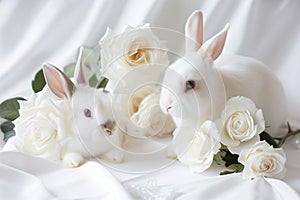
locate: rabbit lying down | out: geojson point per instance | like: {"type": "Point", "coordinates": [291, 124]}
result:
{"type": "Point", "coordinates": [191, 89]}
{"type": "Point", "coordinates": [90, 130]}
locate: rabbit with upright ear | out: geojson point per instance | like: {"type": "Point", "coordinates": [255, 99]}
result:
{"type": "Point", "coordinates": [202, 81]}
{"type": "Point", "coordinates": [84, 126]}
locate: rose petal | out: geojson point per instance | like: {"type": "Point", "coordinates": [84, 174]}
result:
{"type": "Point", "coordinates": [243, 145]}
{"type": "Point", "coordinates": [263, 160]}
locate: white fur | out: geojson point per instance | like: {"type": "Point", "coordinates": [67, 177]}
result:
{"type": "Point", "coordinates": [218, 79]}
{"type": "Point", "coordinates": [90, 137]}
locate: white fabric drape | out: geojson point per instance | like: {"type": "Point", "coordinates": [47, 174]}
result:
{"type": "Point", "coordinates": [36, 178]}
{"type": "Point", "coordinates": [33, 32]}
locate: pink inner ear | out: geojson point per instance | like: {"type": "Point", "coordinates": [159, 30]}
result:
{"type": "Point", "coordinates": [59, 84]}
{"type": "Point", "coordinates": [218, 47]}
{"type": "Point", "coordinates": [56, 86]}
{"type": "Point", "coordinates": [215, 45]}
{"type": "Point", "coordinates": [193, 31]}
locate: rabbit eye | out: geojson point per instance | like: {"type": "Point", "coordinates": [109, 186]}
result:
{"type": "Point", "coordinates": [190, 84]}
{"type": "Point", "coordinates": [87, 113]}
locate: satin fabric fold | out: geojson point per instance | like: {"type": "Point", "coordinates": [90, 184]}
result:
{"type": "Point", "coordinates": [27, 177]}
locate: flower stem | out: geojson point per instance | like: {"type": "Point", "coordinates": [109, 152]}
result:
{"type": "Point", "coordinates": [290, 133]}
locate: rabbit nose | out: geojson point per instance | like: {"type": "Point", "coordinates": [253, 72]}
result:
{"type": "Point", "coordinates": [169, 108]}
{"type": "Point", "coordinates": [108, 127]}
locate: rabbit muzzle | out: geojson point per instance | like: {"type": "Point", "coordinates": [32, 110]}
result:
{"type": "Point", "coordinates": [108, 127]}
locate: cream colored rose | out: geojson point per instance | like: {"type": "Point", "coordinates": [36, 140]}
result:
{"type": "Point", "coordinates": [240, 124]}
{"type": "Point", "coordinates": [40, 126]}
{"type": "Point", "coordinates": [200, 151]}
{"type": "Point", "coordinates": [133, 47]}
{"type": "Point", "coordinates": [262, 160]}
{"type": "Point", "coordinates": [145, 112]}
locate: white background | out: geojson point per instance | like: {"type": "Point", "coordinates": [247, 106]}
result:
{"type": "Point", "coordinates": [33, 32]}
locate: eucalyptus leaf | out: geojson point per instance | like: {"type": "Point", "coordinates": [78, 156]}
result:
{"type": "Point", "coordinates": [7, 126]}
{"type": "Point", "coordinates": [38, 82]}
{"type": "Point", "coordinates": [9, 109]}
{"type": "Point", "coordinates": [9, 135]}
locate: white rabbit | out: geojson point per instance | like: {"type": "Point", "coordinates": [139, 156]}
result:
{"type": "Point", "coordinates": [197, 85]}
{"type": "Point", "coordinates": [95, 133]}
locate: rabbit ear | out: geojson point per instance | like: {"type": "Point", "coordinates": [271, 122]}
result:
{"type": "Point", "coordinates": [79, 73]}
{"type": "Point", "coordinates": [58, 82]}
{"type": "Point", "coordinates": [214, 46]}
{"type": "Point", "coordinates": [193, 31]}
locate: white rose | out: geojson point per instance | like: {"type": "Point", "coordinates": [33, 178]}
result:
{"type": "Point", "coordinates": [262, 160]}
{"type": "Point", "coordinates": [240, 124]}
{"type": "Point", "coordinates": [200, 151]}
{"type": "Point", "coordinates": [40, 126]}
{"type": "Point", "coordinates": [145, 112]}
{"type": "Point", "coordinates": [133, 47]}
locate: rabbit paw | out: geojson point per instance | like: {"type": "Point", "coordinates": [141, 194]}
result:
{"type": "Point", "coordinates": [114, 156]}
{"type": "Point", "coordinates": [171, 153]}
{"type": "Point", "coordinates": [72, 160]}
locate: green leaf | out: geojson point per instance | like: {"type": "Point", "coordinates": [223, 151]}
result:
{"type": "Point", "coordinates": [7, 126]}
{"type": "Point", "coordinates": [38, 82]}
{"type": "Point", "coordinates": [70, 69]}
{"type": "Point", "coordinates": [102, 83]}
{"type": "Point", "coordinates": [9, 109]}
{"type": "Point", "coordinates": [93, 82]}
{"type": "Point", "coordinates": [225, 157]}
{"type": "Point", "coordinates": [223, 147]}
{"type": "Point", "coordinates": [9, 135]}
{"type": "Point", "coordinates": [265, 136]}
{"type": "Point", "coordinates": [90, 57]}
{"type": "Point", "coordinates": [226, 172]}
{"type": "Point", "coordinates": [236, 168]}
{"type": "Point", "coordinates": [218, 158]}
{"type": "Point", "coordinates": [230, 158]}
